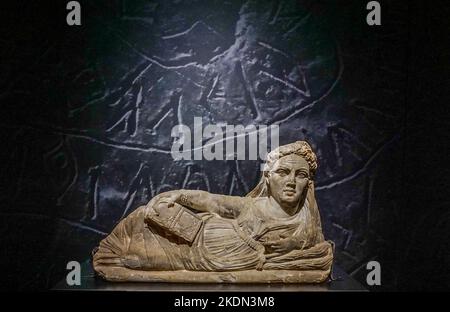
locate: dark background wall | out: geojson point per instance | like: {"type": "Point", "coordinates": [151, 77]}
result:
{"type": "Point", "coordinates": [86, 115]}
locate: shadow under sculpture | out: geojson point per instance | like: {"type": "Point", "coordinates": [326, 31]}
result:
{"type": "Point", "coordinates": [273, 235]}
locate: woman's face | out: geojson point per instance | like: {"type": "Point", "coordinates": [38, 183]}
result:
{"type": "Point", "coordinates": [288, 179]}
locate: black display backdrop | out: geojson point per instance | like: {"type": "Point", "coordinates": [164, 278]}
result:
{"type": "Point", "coordinates": [87, 113]}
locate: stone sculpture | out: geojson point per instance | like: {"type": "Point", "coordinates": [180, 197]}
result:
{"type": "Point", "coordinates": [273, 235]}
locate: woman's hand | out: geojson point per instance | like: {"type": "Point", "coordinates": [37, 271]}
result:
{"type": "Point", "coordinates": [170, 198]}
{"type": "Point", "coordinates": [164, 200]}
{"type": "Point", "coordinates": [283, 245]}
{"type": "Point", "coordinates": [279, 246]}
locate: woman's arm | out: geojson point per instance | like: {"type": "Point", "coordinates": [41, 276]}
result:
{"type": "Point", "coordinates": [224, 205]}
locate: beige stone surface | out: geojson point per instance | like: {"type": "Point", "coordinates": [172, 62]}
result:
{"type": "Point", "coordinates": [273, 235]}
{"type": "Point", "coordinates": [121, 274]}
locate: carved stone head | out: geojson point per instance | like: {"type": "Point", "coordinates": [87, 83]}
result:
{"type": "Point", "coordinates": [288, 174]}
